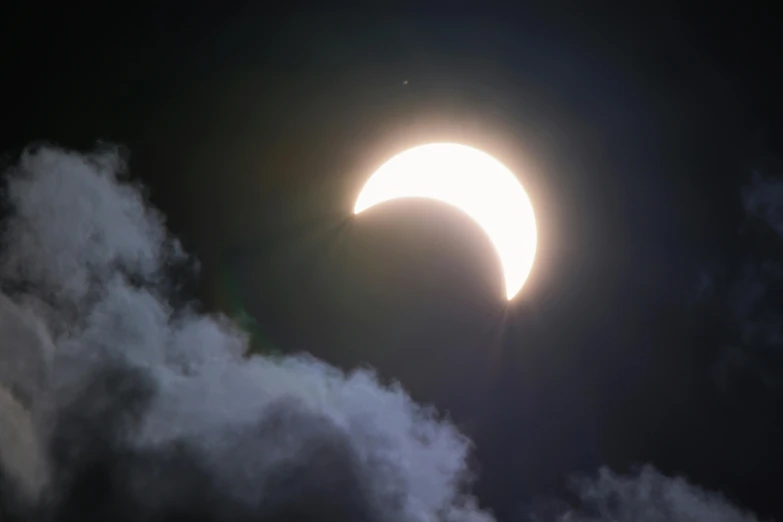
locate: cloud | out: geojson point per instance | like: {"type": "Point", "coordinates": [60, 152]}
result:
{"type": "Point", "coordinates": [129, 408]}
{"type": "Point", "coordinates": [744, 296]}
{"type": "Point", "coordinates": [763, 198]}
{"type": "Point", "coordinates": [649, 496]}
{"type": "Point", "coordinates": [756, 290]}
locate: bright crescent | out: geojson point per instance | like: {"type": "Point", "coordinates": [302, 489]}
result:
{"type": "Point", "coordinates": [472, 181]}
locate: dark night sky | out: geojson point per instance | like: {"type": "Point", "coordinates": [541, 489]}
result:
{"type": "Point", "coordinates": [634, 133]}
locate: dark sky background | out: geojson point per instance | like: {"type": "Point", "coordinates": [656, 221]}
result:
{"type": "Point", "coordinates": [633, 131]}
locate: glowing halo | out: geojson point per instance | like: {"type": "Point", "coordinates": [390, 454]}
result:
{"type": "Point", "coordinates": [472, 181]}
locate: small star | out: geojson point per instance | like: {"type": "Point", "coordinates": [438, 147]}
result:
{"type": "Point", "coordinates": [405, 82]}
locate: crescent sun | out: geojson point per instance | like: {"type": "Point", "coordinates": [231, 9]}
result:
{"type": "Point", "coordinates": [472, 181]}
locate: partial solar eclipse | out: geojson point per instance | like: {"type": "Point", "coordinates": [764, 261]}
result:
{"type": "Point", "coordinates": [472, 181]}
